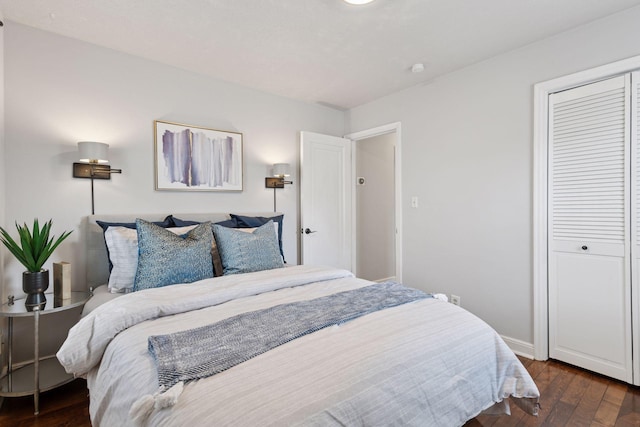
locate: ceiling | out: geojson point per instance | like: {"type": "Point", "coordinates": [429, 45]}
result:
{"type": "Point", "coordinates": [321, 51]}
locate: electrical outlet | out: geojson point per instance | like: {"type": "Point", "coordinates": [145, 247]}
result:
{"type": "Point", "coordinates": [455, 299]}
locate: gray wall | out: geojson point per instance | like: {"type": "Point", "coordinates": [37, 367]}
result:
{"type": "Point", "coordinates": [375, 208]}
{"type": "Point", "coordinates": [467, 155]}
{"type": "Point", "coordinates": [3, 166]}
{"type": "Point", "coordinates": [60, 91]}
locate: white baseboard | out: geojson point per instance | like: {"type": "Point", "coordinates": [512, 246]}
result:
{"type": "Point", "coordinates": [521, 348]}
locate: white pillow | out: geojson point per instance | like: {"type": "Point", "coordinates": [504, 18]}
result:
{"type": "Point", "coordinates": [122, 243]}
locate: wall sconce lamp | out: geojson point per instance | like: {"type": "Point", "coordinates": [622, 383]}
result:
{"type": "Point", "coordinates": [94, 158]}
{"type": "Point", "coordinates": [280, 172]}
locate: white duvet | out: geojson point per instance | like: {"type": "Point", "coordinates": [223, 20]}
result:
{"type": "Point", "coordinates": [423, 363]}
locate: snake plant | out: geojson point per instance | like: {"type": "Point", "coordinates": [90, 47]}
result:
{"type": "Point", "coordinates": [35, 247]}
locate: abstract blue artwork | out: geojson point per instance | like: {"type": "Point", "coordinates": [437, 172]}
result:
{"type": "Point", "coordinates": [194, 158]}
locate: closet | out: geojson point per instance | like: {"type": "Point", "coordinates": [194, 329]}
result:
{"type": "Point", "coordinates": [593, 218]}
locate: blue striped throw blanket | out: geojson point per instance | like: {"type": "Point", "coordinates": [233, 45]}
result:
{"type": "Point", "coordinates": [201, 352]}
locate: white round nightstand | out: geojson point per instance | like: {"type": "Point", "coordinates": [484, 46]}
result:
{"type": "Point", "coordinates": [43, 373]}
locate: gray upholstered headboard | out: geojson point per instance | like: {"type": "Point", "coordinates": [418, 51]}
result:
{"type": "Point", "coordinates": [97, 261]}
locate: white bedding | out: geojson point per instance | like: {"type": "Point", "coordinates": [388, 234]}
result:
{"type": "Point", "coordinates": [423, 363]}
{"type": "Point", "coordinates": [99, 296]}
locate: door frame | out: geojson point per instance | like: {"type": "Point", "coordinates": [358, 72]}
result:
{"type": "Point", "coordinates": [370, 133]}
{"type": "Point", "coordinates": [541, 94]}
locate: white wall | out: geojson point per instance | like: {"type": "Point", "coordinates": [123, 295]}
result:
{"type": "Point", "coordinates": [60, 91]}
{"type": "Point", "coordinates": [3, 166]}
{"type": "Point", "coordinates": [467, 154]}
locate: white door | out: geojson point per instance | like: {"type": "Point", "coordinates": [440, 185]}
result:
{"type": "Point", "coordinates": [589, 235]}
{"type": "Point", "coordinates": [325, 198]}
{"type": "Point", "coordinates": [635, 222]}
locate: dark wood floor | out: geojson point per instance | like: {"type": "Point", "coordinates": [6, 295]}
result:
{"type": "Point", "coordinates": [570, 397]}
{"type": "Point", "coordinates": [65, 406]}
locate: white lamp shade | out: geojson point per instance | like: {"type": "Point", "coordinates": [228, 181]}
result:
{"type": "Point", "coordinates": [281, 169]}
{"type": "Point", "coordinates": [93, 152]}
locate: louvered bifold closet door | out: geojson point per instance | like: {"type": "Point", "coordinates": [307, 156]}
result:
{"type": "Point", "coordinates": [635, 221]}
{"type": "Point", "coordinates": [589, 228]}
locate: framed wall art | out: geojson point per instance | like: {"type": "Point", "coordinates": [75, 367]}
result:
{"type": "Point", "coordinates": [193, 158]}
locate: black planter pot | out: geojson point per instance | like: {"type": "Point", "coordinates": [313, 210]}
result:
{"type": "Point", "coordinates": [34, 285]}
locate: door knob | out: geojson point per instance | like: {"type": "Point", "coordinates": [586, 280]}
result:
{"type": "Point", "coordinates": [307, 231]}
{"type": "Point", "coordinates": [584, 247]}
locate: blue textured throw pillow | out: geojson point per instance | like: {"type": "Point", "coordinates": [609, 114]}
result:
{"type": "Point", "coordinates": [217, 263]}
{"type": "Point", "coordinates": [243, 252]}
{"type": "Point", "coordinates": [166, 259]}
{"type": "Point", "coordinates": [257, 221]}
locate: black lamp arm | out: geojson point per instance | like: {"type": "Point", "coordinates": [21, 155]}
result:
{"type": "Point", "coordinates": [95, 171]}
{"type": "Point", "coordinates": [275, 182]}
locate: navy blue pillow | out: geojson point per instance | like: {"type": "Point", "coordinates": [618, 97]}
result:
{"type": "Point", "coordinates": [257, 221]}
{"type": "Point", "coordinates": [231, 223]}
{"type": "Point", "coordinates": [165, 223]}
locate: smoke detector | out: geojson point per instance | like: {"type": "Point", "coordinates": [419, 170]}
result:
{"type": "Point", "coordinates": [417, 68]}
{"type": "Point", "coordinates": [358, 2]}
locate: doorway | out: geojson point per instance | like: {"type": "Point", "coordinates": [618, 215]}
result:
{"type": "Point", "coordinates": [374, 208]}
{"type": "Point", "coordinates": [377, 203]}
{"type": "Point", "coordinates": [328, 217]}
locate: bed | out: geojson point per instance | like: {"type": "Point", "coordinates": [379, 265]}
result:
{"type": "Point", "coordinates": [423, 362]}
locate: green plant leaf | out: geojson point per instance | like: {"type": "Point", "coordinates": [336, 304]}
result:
{"type": "Point", "coordinates": [13, 247]}
{"type": "Point", "coordinates": [41, 241]}
{"type": "Point", "coordinates": [36, 241]}
{"type": "Point", "coordinates": [34, 248]}
{"type": "Point", "coordinates": [26, 239]}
